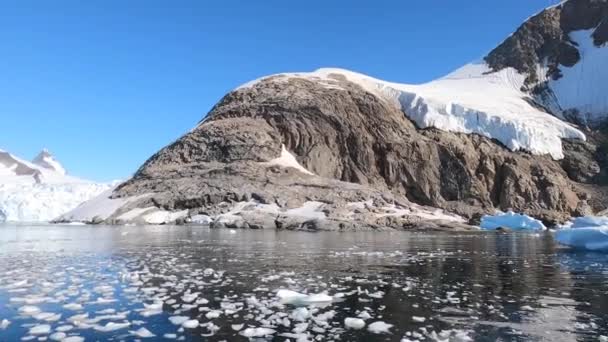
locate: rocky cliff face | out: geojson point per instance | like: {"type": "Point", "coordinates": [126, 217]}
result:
{"type": "Point", "coordinates": [544, 48]}
{"type": "Point", "coordinates": [353, 141]}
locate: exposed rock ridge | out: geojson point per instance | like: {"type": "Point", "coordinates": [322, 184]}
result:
{"type": "Point", "coordinates": [359, 147]}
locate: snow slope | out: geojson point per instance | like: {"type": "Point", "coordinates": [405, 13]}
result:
{"type": "Point", "coordinates": [584, 86]}
{"type": "Point", "coordinates": [470, 100]}
{"type": "Point", "coordinates": [30, 192]}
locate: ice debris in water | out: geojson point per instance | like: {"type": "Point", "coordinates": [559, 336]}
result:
{"type": "Point", "coordinates": [257, 332]}
{"type": "Point", "coordinates": [296, 298]}
{"type": "Point", "coordinates": [4, 324]}
{"type": "Point", "coordinates": [379, 327]}
{"type": "Point", "coordinates": [143, 333]}
{"type": "Point", "coordinates": [511, 220]}
{"type": "Point", "coordinates": [41, 329]}
{"type": "Point", "coordinates": [354, 323]}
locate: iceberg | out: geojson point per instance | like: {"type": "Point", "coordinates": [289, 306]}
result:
{"type": "Point", "coordinates": [511, 220]}
{"type": "Point", "coordinates": [586, 233]}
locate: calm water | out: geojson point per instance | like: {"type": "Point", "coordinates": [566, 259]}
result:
{"type": "Point", "coordinates": [108, 283]}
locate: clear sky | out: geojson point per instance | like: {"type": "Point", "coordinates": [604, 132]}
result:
{"type": "Point", "coordinates": [104, 84]}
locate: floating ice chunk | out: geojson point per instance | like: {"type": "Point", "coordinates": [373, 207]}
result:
{"type": "Point", "coordinates": [257, 332]}
{"type": "Point", "coordinates": [40, 329]}
{"type": "Point", "coordinates": [354, 323]}
{"type": "Point", "coordinates": [178, 320]}
{"type": "Point", "coordinates": [237, 327]}
{"type": "Point", "coordinates": [190, 324]}
{"type": "Point", "coordinates": [4, 324]}
{"type": "Point", "coordinates": [58, 336]}
{"type": "Point", "coordinates": [73, 306]}
{"type": "Point", "coordinates": [379, 327]}
{"type": "Point", "coordinates": [47, 316]}
{"type": "Point", "coordinates": [511, 220]}
{"type": "Point", "coordinates": [296, 298]}
{"type": "Point", "coordinates": [64, 328]}
{"type": "Point", "coordinates": [589, 221]}
{"type": "Point", "coordinates": [170, 336]}
{"type": "Point", "coordinates": [112, 326]}
{"type": "Point", "coordinates": [213, 314]}
{"type": "Point", "coordinates": [73, 339]}
{"type": "Point", "coordinates": [418, 319]}
{"type": "Point", "coordinates": [142, 332]}
{"type": "Point", "coordinates": [364, 315]}
{"type": "Point", "coordinates": [300, 314]}
{"type": "Point", "coordinates": [592, 238]}
{"type": "Point", "coordinates": [29, 310]}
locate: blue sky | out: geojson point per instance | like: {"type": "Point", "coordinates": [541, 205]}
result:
{"type": "Point", "coordinates": [105, 84]}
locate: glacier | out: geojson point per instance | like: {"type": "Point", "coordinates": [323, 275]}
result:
{"type": "Point", "coordinates": [471, 100]}
{"type": "Point", "coordinates": [40, 191]}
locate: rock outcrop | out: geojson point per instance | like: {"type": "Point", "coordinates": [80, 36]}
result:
{"type": "Point", "coordinates": [359, 147]}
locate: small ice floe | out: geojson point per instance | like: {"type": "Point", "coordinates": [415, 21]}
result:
{"type": "Point", "coordinates": [237, 327]}
{"type": "Point", "coordinates": [512, 221]}
{"type": "Point", "coordinates": [379, 327]}
{"type": "Point", "coordinates": [73, 306]}
{"type": "Point", "coordinates": [190, 324]}
{"type": "Point", "coordinates": [354, 323]}
{"type": "Point", "coordinates": [64, 328]}
{"type": "Point", "coordinates": [58, 336]}
{"type": "Point", "coordinates": [418, 319]}
{"type": "Point", "coordinates": [29, 310]}
{"type": "Point", "coordinates": [178, 320]}
{"type": "Point", "coordinates": [587, 233]}
{"type": "Point", "coordinates": [142, 333]}
{"type": "Point", "coordinates": [47, 316]}
{"type": "Point", "coordinates": [73, 339]}
{"type": "Point", "coordinates": [40, 329]}
{"type": "Point", "coordinates": [170, 336]}
{"type": "Point", "coordinates": [296, 298]}
{"type": "Point", "coordinates": [4, 324]}
{"type": "Point", "coordinates": [213, 314]}
{"type": "Point", "coordinates": [257, 332]}
{"type": "Point", "coordinates": [152, 309]}
{"type": "Point", "coordinates": [112, 326]}
{"type": "Point", "coordinates": [364, 315]}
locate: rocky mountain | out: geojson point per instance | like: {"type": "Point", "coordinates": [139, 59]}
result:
{"type": "Point", "coordinates": [40, 191]}
{"type": "Point", "coordinates": [333, 149]}
{"type": "Point", "coordinates": [46, 160]}
{"type": "Point", "coordinates": [561, 51]}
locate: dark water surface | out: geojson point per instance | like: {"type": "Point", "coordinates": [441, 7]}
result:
{"type": "Point", "coordinates": [111, 283]}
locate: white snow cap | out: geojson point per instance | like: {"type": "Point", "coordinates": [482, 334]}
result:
{"type": "Point", "coordinates": [46, 160]}
{"type": "Point", "coordinates": [472, 99]}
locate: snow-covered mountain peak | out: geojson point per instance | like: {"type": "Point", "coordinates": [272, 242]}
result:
{"type": "Point", "coordinates": [46, 160]}
{"type": "Point", "coordinates": [40, 190]}
{"type": "Point", "coordinates": [563, 54]}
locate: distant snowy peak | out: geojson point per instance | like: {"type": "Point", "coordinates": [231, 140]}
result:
{"type": "Point", "coordinates": [563, 54]}
{"type": "Point", "coordinates": [13, 166]}
{"type": "Point", "coordinates": [40, 191]}
{"type": "Point", "coordinates": [46, 160]}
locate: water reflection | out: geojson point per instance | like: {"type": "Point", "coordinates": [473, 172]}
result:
{"type": "Point", "coordinates": [436, 286]}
